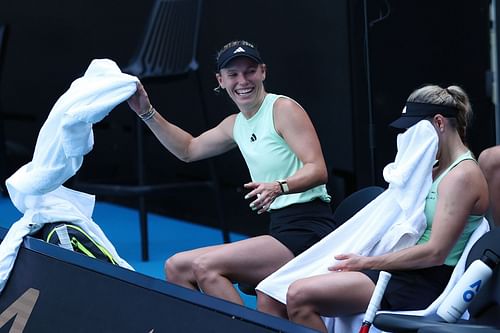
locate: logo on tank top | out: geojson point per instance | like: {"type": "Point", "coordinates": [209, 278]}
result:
{"type": "Point", "coordinates": [253, 138]}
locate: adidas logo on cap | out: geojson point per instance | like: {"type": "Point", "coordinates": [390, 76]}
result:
{"type": "Point", "coordinates": [239, 49]}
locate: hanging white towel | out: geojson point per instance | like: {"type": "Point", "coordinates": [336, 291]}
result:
{"type": "Point", "coordinates": [66, 136]}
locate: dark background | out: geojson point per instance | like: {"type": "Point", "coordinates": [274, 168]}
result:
{"type": "Point", "coordinates": [316, 53]}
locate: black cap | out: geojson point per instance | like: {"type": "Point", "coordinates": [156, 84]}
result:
{"type": "Point", "coordinates": [232, 52]}
{"type": "Point", "coordinates": [414, 112]}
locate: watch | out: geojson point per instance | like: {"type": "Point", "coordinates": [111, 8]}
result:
{"type": "Point", "coordinates": [284, 185]}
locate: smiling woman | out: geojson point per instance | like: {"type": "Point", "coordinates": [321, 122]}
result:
{"type": "Point", "coordinates": [283, 154]}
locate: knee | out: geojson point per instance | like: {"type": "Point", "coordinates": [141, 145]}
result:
{"type": "Point", "coordinates": [175, 267]}
{"type": "Point", "coordinates": [298, 299]}
{"type": "Point", "coordinates": [203, 269]}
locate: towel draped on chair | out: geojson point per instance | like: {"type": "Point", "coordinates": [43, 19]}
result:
{"type": "Point", "coordinates": [36, 189]}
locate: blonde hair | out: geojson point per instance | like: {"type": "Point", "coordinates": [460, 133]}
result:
{"type": "Point", "coordinates": [453, 96]}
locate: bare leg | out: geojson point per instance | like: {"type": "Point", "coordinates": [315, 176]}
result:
{"type": "Point", "coordinates": [248, 261]}
{"type": "Point", "coordinates": [331, 294]}
{"type": "Point", "coordinates": [489, 161]}
{"type": "Point", "coordinates": [179, 267]}
{"type": "Point", "coordinates": [271, 306]}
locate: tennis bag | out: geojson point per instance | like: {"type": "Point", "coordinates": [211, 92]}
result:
{"type": "Point", "coordinates": [74, 238]}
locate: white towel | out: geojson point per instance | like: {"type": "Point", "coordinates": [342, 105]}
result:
{"type": "Point", "coordinates": [67, 134]}
{"type": "Point", "coordinates": [394, 220]}
{"type": "Point", "coordinates": [36, 188]}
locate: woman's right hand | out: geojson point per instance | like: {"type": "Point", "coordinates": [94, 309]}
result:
{"type": "Point", "coordinates": [139, 101]}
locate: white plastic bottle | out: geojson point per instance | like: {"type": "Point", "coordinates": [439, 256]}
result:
{"type": "Point", "coordinates": [462, 294]}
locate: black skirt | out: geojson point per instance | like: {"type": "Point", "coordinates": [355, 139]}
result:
{"type": "Point", "coordinates": [299, 226]}
{"type": "Point", "coordinates": [413, 289]}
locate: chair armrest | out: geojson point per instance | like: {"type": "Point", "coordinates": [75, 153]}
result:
{"type": "Point", "coordinates": [459, 328]}
{"type": "Point", "coordinates": [397, 323]}
{"type": "Point", "coordinates": [392, 322]}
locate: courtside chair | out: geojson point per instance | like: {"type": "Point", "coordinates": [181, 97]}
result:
{"type": "Point", "coordinates": [484, 310]}
{"type": "Point", "coordinates": [346, 209]}
{"type": "Point", "coordinates": [354, 202]}
{"type": "Point", "coordinates": [167, 51]}
{"type": "Point", "coordinates": [3, 153]}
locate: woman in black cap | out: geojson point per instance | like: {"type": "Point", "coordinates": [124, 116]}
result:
{"type": "Point", "coordinates": [284, 157]}
{"type": "Point", "coordinates": [454, 208]}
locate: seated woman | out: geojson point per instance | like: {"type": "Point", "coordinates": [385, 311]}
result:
{"type": "Point", "coordinates": [454, 207]}
{"type": "Point", "coordinates": [283, 154]}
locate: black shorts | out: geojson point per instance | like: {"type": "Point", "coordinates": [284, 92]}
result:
{"type": "Point", "coordinates": [413, 289]}
{"type": "Point", "coordinates": [301, 225]}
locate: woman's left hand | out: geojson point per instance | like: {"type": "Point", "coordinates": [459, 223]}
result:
{"type": "Point", "coordinates": [265, 193]}
{"type": "Point", "coordinates": [349, 262]}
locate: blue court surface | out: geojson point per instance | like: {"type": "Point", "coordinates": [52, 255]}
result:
{"type": "Point", "coordinates": [167, 236]}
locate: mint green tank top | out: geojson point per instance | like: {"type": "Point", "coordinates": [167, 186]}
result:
{"type": "Point", "coordinates": [473, 221]}
{"type": "Point", "coordinates": [268, 156]}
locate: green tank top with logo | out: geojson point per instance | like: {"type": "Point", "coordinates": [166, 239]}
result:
{"type": "Point", "coordinates": [268, 155]}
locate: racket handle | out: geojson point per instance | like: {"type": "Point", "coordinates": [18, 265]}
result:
{"type": "Point", "coordinates": [374, 304]}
